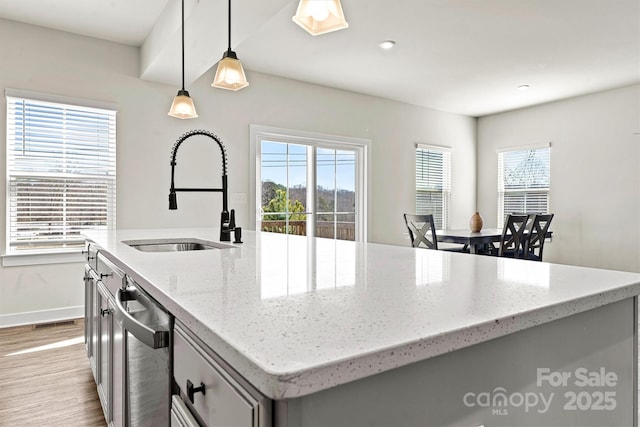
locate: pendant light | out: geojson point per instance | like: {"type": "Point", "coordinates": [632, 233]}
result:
{"type": "Point", "coordinates": [182, 106]}
{"type": "Point", "coordinates": [230, 74]}
{"type": "Point", "coordinates": [320, 16]}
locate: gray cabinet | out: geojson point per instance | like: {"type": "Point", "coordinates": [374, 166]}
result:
{"type": "Point", "coordinates": [103, 333]}
{"type": "Point", "coordinates": [90, 308]}
{"type": "Point", "coordinates": [212, 392]}
{"type": "Point", "coordinates": [180, 414]}
{"type": "Point", "coordinates": [104, 354]}
{"type": "Point", "coordinates": [90, 319]}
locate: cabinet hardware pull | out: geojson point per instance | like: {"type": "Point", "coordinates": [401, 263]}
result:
{"type": "Point", "coordinates": [105, 312]}
{"type": "Point", "coordinates": [191, 390]}
{"type": "Point", "coordinates": [103, 275]}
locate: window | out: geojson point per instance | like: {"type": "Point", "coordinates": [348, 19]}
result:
{"type": "Point", "coordinates": [433, 183]}
{"type": "Point", "coordinates": [309, 184]}
{"type": "Point", "coordinates": [523, 181]}
{"type": "Point", "coordinates": [61, 165]}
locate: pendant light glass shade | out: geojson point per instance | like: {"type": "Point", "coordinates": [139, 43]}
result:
{"type": "Point", "coordinates": [230, 74]}
{"type": "Point", "coordinates": [320, 16]}
{"type": "Point", "coordinates": [182, 106]}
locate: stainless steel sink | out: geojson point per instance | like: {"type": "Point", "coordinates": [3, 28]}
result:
{"type": "Point", "coordinates": [175, 245]}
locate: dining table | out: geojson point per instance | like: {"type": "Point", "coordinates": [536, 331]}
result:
{"type": "Point", "coordinates": [477, 241]}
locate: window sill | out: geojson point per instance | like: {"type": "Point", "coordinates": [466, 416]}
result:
{"type": "Point", "coordinates": [41, 258]}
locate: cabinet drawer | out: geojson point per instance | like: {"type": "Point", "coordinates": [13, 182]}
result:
{"type": "Point", "coordinates": [224, 401]}
{"type": "Point", "coordinates": [180, 415]}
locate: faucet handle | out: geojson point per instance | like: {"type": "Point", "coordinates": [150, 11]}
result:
{"type": "Point", "coordinates": [224, 227]}
{"type": "Point", "coordinates": [232, 219]}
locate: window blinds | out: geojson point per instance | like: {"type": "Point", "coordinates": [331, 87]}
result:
{"type": "Point", "coordinates": [61, 164]}
{"type": "Point", "coordinates": [433, 183]}
{"type": "Point", "coordinates": [524, 181]}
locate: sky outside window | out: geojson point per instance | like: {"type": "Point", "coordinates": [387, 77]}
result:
{"type": "Point", "coordinates": [275, 166]}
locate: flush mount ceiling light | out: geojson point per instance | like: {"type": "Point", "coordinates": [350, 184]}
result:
{"type": "Point", "coordinates": [230, 74]}
{"type": "Point", "coordinates": [182, 106]}
{"type": "Point", "coordinates": [387, 44]}
{"type": "Point", "coordinates": [320, 16]}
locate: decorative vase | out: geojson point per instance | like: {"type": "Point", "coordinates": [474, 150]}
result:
{"type": "Point", "coordinates": [475, 223]}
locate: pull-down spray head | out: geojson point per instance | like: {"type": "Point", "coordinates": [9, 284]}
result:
{"type": "Point", "coordinates": [173, 199]}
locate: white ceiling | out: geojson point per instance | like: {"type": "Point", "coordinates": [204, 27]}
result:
{"type": "Point", "coordinates": [461, 56]}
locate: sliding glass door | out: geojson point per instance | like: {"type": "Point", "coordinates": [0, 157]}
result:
{"type": "Point", "coordinates": [310, 187]}
{"type": "Point", "coordinates": [335, 194]}
{"type": "Point", "coordinates": [284, 172]}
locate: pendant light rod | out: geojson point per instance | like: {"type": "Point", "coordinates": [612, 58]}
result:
{"type": "Point", "coordinates": [182, 106]}
{"type": "Point", "coordinates": [229, 28]}
{"type": "Point", "coordinates": [182, 44]}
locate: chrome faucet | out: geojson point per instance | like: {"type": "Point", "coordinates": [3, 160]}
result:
{"type": "Point", "coordinates": [227, 219]}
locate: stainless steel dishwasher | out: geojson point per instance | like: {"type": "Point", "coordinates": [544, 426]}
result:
{"type": "Point", "coordinates": [147, 357]}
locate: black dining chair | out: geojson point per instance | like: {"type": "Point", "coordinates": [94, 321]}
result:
{"type": "Point", "coordinates": [536, 236]}
{"type": "Point", "coordinates": [530, 216]}
{"type": "Point", "coordinates": [422, 231]}
{"type": "Point", "coordinates": [512, 241]}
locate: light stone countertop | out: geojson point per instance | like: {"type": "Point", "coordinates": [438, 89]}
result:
{"type": "Point", "coordinates": [296, 315]}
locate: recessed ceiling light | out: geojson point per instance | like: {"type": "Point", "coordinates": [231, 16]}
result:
{"type": "Point", "coordinates": [387, 44]}
{"type": "Point", "coordinates": [523, 87]}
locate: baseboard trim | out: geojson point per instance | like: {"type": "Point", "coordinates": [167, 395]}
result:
{"type": "Point", "coordinates": [42, 316]}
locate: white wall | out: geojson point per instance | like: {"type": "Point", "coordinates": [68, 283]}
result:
{"type": "Point", "coordinates": [42, 60]}
{"type": "Point", "coordinates": [595, 174]}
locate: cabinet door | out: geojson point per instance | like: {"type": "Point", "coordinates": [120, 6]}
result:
{"type": "Point", "coordinates": [104, 350]}
{"type": "Point", "coordinates": [89, 284]}
{"type": "Point", "coordinates": [95, 323]}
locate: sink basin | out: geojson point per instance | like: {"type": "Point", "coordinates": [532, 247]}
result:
{"type": "Point", "coordinates": [175, 245]}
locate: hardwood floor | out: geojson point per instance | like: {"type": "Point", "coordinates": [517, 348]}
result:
{"type": "Point", "coordinates": [47, 386]}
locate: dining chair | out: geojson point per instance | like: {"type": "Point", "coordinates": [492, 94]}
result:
{"type": "Point", "coordinates": [512, 243]}
{"type": "Point", "coordinates": [536, 236]}
{"type": "Point", "coordinates": [422, 231]}
{"type": "Point", "coordinates": [530, 216]}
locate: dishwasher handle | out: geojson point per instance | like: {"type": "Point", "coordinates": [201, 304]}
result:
{"type": "Point", "coordinates": [149, 336]}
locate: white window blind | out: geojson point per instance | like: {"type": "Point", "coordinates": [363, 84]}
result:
{"type": "Point", "coordinates": [61, 166]}
{"type": "Point", "coordinates": [524, 181]}
{"type": "Point", "coordinates": [433, 183]}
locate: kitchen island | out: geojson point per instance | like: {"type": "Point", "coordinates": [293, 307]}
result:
{"type": "Point", "coordinates": [345, 333]}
